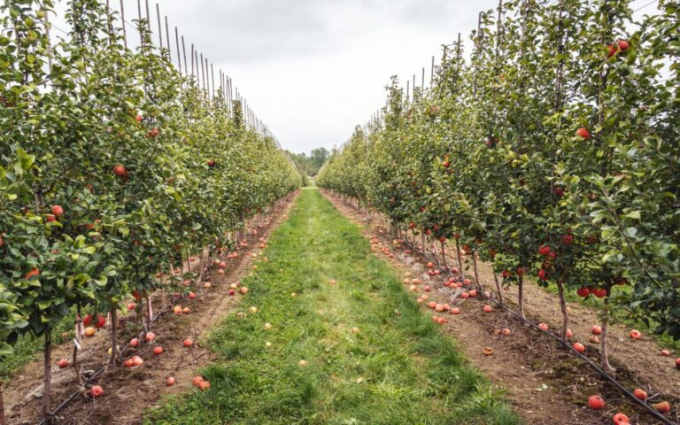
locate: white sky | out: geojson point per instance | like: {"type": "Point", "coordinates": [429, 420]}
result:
{"type": "Point", "coordinates": [314, 69]}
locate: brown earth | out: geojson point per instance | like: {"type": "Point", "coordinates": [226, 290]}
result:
{"type": "Point", "coordinates": [545, 383]}
{"type": "Point", "coordinates": [129, 392]}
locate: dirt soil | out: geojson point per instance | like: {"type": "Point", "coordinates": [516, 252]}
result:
{"type": "Point", "coordinates": [129, 392]}
{"type": "Point", "coordinates": [545, 383]}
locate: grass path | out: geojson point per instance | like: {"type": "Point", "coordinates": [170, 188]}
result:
{"type": "Point", "coordinates": [372, 357]}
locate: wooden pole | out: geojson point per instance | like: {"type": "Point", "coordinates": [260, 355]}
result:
{"type": "Point", "coordinates": [432, 74]}
{"type": "Point", "coordinates": [139, 12]}
{"type": "Point", "coordinates": [192, 57]}
{"type": "Point", "coordinates": [167, 37]}
{"type": "Point", "coordinates": [212, 76]}
{"type": "Point", "coordinates": [413, 89]}
{"type": "Point", "coordinates": [407, 90]}
{"type": "Point", "coordinates": [184, 53]}
{"type": "Point", "coordinates": [148, 16]}
{"type": "Point", "coordinates": [202, 72]}
{"type": "Point", "coordinates": [122, 18]}
{"type": "Point", "coordinates": [179, 55]}
{"type": "Point", "coordinates": [160, 27]}
{"type": "Point", "coordinates": [422, 81]}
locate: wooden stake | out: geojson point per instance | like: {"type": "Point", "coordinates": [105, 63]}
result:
{"type": "Point", "coordinates": [192, 57]}
{"type": "Point", "coordinates": [179, 55]}
{"type": "Point", "coordinates": [122, 18]}
{"type": "Point", "coordinates": [139, 12]}
{"type": "Point", "coordinates": [422, 81]}
{"type": "Point", "coordinates": [407, 90]}
{"type": "Point", "coordinates": [160, 28]}
{"type": "Point", "coordinates": [167, 37]}
{"type": "Point", "coordinates": [212, 76]}
{"type": "Point", "coordinates": [148, 16]}
{"type": "Point", "coordinates": [184, 53]}
{"type": "Point", "coordinates": [432, 73]}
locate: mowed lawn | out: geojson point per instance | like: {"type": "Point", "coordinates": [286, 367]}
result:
{"type": "Point", "coordinates": [355, 352]}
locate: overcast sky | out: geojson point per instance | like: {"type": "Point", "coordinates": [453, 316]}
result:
{"type": "Point", "coordinates": [313, 69]}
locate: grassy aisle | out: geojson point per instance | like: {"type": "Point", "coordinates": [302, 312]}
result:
{"type": "Point", "coordinates": [372, 357]}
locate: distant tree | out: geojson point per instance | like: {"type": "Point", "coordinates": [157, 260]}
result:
{"type": "Point", "coordinates": [310, 165]}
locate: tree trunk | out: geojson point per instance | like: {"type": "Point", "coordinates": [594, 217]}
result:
{"type": "Point", "coordinates": [563, 307]}
{"type": "Point", "coordinates": [520, 284]}
{"type": "Point", "coordinates": [446, 266]}
{"type": "Point", "coordinates": [114, 338]}
{"type": "Point", "coordinates": [498, 287]}
{"type": "Point", "coordinates": [460, 260]}
{"type": "Point", "coordinates": [149, 313]}
{"type": "Point", "coordinates": [3, 419]}
{"type": "Point", "coordinates": [603, 344]}
{"type": "Point", "coordinates": [474, 262]}
{"type": "Point", "coordinates": [47, 379]}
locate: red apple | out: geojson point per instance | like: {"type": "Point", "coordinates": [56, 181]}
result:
{"type": "Point", "coordinates": [624, 45]}
{"type": "Point", "coordinates": [455, 310]}
{"type": "Point", "coordinates": [33, 272]}
{"type": "Point", "coordinates": [596, 330]}
{"type": "Point", "coordinates": [544, 250]}
{"type": "Point", "coordinates": [119, 171]}
{"type": "Point", "coordinates": [188, 343]}
{"type": "Point", "coordinates": [543, 326]}
{"type": "Point", "coordinates": [157, 351]}
{"type": "Point", "coordinates": [97, 391]}
{"type": "Point", "coordinates": [170, 381]}
{"type": "Point", "coordinates": [665, 353]}
{"type": "Point", "coordinates": [232, 292]}
{"type": "Point", "coordinates": [101, 322]}
{"type": "Point", "coordinates": [134, 343]}
{"type": "Point", "coordinates": [139, 118]}
{"type": "Point", "coordinates": [635, 334]}
{"type": "Point", "coordinates": [204, 386]}
{"type": "Point", "coordinates": [150, 336]}
{"type": "Point", "coordinates": [243, 290]}
{"type": "Point", "coordinates": [663, 407]}
{"type": "Point", "coordinates": [63, 363]}
{"type": "Point", "coordinates": [488, 309]}
{"type": "Point", "coordinates": [57, 210]}
{"type": "Point", "coordinates": [641, 394]}
{"type": "Point", "coordinates": [596, 402]}
{"type": "Point", "coordinates": [583, 133]}
{"type": "Point", "coordinates": [580, 348]}
{"type": "Point", "coordinates": [600, 292]}
{"type": "Point", "coordinates": [611, 50]}
{"type": "Point", "coordinates": [137, 361]}
{"type": "Point", "coordinates": [621, 419]}
{"type": "Point", "coordinates": [131, 306]}
{"type": "Point", "coordinates": [677, 362]}
{"type": "Point", "coordinates": [583, 292]}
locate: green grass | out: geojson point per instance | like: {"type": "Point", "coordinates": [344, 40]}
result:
{"type": "Point", "coordinates": [399, 369]}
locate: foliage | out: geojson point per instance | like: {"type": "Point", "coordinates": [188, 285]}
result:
{"type": "Point", "coordinates": [496, 151]}
{"type": "Point", "coordinates": [112, 167]}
